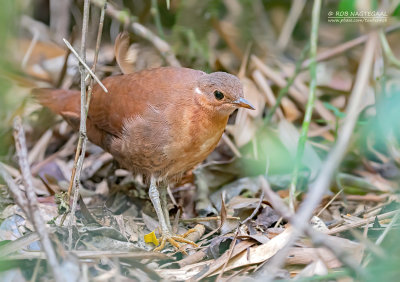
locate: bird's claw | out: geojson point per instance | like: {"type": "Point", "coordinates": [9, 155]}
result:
{"type": "Point", "coordinates": [174, 239]}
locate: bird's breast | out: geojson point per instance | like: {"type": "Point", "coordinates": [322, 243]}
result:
{"type": "Point", "coordinates": [167, 142]}
{"type": "Point", "coordinates": [196, 137]}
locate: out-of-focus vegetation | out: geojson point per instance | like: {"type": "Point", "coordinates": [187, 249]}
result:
{"type": "Point", "coordinates": [8, 28]}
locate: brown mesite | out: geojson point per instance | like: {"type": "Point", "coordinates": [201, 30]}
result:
{"type": "Point", "coordinates": [158, 123]}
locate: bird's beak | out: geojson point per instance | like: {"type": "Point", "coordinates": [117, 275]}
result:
{"type": "Point", "coordinates": [243, 103]}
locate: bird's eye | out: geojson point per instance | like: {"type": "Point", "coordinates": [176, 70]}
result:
{"type": "Point", "coordinates": [218, 95]}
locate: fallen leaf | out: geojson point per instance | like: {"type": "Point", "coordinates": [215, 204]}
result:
{"type": "Point", "coordinates": [267, 217]}
{"type": "Point", "coordinates": [259, 254]}
{"type": "Point", "coordinates": [151, 238]}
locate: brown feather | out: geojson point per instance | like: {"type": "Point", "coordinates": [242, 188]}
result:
{"type": "Point", "coordinates": [121, 51]}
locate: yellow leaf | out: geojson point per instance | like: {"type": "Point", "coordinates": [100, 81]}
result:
{"type": "Point", "coordinates": [151, 238]}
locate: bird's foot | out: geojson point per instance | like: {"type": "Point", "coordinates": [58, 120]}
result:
{"type": "Point", "coordinates": [174, 239]}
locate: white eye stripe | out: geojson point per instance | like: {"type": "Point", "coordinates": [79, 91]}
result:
{"type": "Point", "coordinates": [198, 91]}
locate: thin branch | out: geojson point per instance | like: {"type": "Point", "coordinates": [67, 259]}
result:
{"type": "Point", "coordinates": [310, 103]}
{"type": "Point", "coordinates": [231, 248]}
{"type": "Point", "coordinates": [231, 145]}
{"type": "Point", "coordinates": [82, 61]}
{"type": "Point", "coordinates": [96, 54]}
{"type": "Point", "coordinates": [317, 238]}
{"type": "Point", "coordinates": [387, 50]}
{"type": "Point", "coordinates": [295, 11]}
{"type": "Point", "coordinates": [255, 211]}
{"type": "Point", "coordinates": [18, 196]}
{"type": "Point", "coordinates": [330, 202]}
{"type": "Point", "coordinates": [227, 38]}
{"type": "Point", "coordinates": [321, 184]}
{"type": "Point", "coordinates": [125, 18]}
{"type": "Point", "coordinates": [30, 48]}
{"type": "Point", "coordinates": [33, 208]}
{"type": "Point", "coordinates": [360, 223]}
{"type": "Point", "coordinates": [339, 150]}
{"type": "Point", "coordinates": [335, 51]}
{"type": "Point", "coordinates": [81, 147]}
{"type": "Point", "coordinates": [262, 83]}
{"type": "Point", "coordinates": [388, 228]}
{"type": "Point", "coordinates": [64, 68]}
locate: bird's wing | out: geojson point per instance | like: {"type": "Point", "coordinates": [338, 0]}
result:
{"type": "Point", "coordinates": [144, 94]}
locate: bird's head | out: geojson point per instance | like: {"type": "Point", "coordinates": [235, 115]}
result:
{"type": "Point", "coordinates": [221, 92]}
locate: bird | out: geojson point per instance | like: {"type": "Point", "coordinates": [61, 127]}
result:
{"type": "Point", "coordinates": [158, 122]}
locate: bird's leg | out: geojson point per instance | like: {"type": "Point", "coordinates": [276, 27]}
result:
{"type": "Point", "coordinates": [155, 199]}
{"type": "Point", "coordinates": [166, 232]}
{"type": "Point", "coordinates": [164, 205]}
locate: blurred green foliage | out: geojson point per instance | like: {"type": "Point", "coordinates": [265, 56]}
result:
{"type": "Point", "coordinates": [386, 268]}
{"type": "Point", "coordinates": [382, 131]}
{"type": "Point", "coordinates": [8, 25]}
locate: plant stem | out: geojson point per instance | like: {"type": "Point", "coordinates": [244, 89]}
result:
{"type": "Point", "coordinates": [81, 148]}
{"type": "Point", "coordinates": [156, 15]}
{"type": "Point", "coordinates": [310, 103]}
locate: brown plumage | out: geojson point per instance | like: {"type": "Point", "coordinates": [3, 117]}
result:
{"type": "Point", "coordinates": [159, 122]}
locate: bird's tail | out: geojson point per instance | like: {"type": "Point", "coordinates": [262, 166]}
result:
{"type": "Point", "coordinates": [58, 100]}
{"type": "Point", "coordinates": [62, 102]}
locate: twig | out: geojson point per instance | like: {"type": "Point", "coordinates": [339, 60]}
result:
{"type": "Point", "coordinates": [256, 209]}
{"type": "Point", "coordinates": [138, 29]}
{"type": "Point", "coordinates": [360, 223]}
{"type": "Point", "coordinates": [204, 219]}
{"type": "Point", "coordinates": [96, 54]}
{"type": "Point", "coordinates": [388, 228]}
{"type": "Point", "coordinates": [262, 83]}
{"type": "Point", "coordinates": [321, 184]}
{"type": "Point", "coordinates": [339, 150]}
{"type": "Point", "coordinates": [82, 61]}
{"type": "Point", "coordinates": [243, 66]}
{"type": "Point", "coordinates": [66, 57]}
{"type": "Point", "coordinates": [35, 271]}
{"type": "Point", "coordinates": [19, 198]}
{"type": "Point", "coordinates": [20, 242]}
{"type": "Point", "coordinates": [310, 103]}
{"type": "Point", "coordinates": [96, 255]}
{"type": "Point", "coordinates": [231, 145]}
{"type": "Point", "coordinates": [328, 54]}
{"type": "Point", "coordinates": [231, 248]}
{"type": "Point", "coordinates": [81, 147]}
{"type": "Point", "coordinates": [291, 20]}
{"type": "Point", "coordinates": [227, 38]}
{"type": "Point", "coordinates": [388, 51]}
{"type": "Point", "coordinates": [33, 209]}
{"type": "Point", "coordinates": [380, 239]}
{"type": "Point", "coordinates": [362, 238]}
{"type": "Point", "coordinates": [318, 239]}
{"type": "Point", "coordinates": [330, 202]}
{"type": "Point", "coordinates": [31, 46]}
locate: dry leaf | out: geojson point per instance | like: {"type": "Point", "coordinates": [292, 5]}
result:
{"type": "Point", "coordinates": [151, 238]}
{"type": "Point", "coordinates": [261, 253]}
